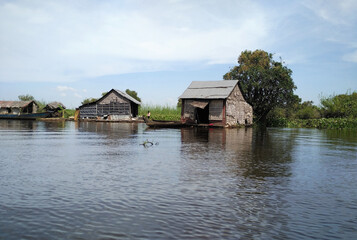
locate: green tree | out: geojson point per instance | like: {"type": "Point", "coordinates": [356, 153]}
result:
{"type": "Point", "coordinates": [26, 97]}
{"type": "Point", "coordinates": [307, 110]}
{"type": "Point", "coordinates": [342, 105]}
{"type": "Point", "coordinates": [133, 94]}
{"type": "Point", "coordinates": [179, 103]}
{"type": "Point", "coordinates": [89, 100]}
{"type": "Point", "coordinates": [265, 83]}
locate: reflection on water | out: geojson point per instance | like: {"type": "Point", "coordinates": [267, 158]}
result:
{"type": "Point", "coordinates": [87, 180]}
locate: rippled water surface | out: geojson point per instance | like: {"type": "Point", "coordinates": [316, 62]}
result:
{"type": "Point", "coordinates": [96, 181]}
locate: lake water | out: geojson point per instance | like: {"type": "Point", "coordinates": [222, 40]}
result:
{"type": "Point", "coordinates": [67, 180]}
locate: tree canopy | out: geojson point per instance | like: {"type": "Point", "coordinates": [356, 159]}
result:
{"type": "Point", "coordinates": [89, 100]}
{"type": "Point", "coordinates": [264, 82]}
{"type": "Point", "coordinates": [26, 97]}
{"type": "Point", "coordinates": [133, 94]}
{"type": "Point", "coordinates": [342, 105]}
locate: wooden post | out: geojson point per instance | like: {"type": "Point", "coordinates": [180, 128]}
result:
{"type": "Point", "coordinates": [224, 119]}
{"type": "Point", "coordinates": [76, 115]}
{"type": "Point", "coordinates": [182, 110]}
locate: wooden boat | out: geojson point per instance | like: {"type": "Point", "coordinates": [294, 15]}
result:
{"type": "Point", "coordinates": [25, 116]}
{"type": "Point", "coordinates": [178, 124]}
{"type": "Point", "coordinates": [163, 124]}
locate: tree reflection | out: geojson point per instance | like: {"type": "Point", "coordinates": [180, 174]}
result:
{"type": "Point", "coordinates": [251, 152]}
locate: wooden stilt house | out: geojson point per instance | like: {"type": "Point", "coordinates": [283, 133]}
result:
{"type": "Point", "coordinates": [218, 103]}
{"type": "Point", "coordinates": [115, 105]}
{"type": "Point", "coordinates": [18, 107]}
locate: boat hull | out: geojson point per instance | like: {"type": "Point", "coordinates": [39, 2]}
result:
{"type": "Point", "coordinates": [25, 116]}
{"type": "Point", "coordinates": [163, 124]}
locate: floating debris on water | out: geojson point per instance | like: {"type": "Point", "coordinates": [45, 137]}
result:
{"type": "Point", "coordinates": [148, 143]}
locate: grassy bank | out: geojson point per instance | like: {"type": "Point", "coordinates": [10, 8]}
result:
{"type": "Point", "coordinates": [322, 123]}
{"type": "Point", "coordinates": [161, 112]}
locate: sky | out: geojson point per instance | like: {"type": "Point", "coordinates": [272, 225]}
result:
{"type": "Point", "coordinates": [64, 50]}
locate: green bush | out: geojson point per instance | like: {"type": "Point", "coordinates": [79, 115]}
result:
{"type": "Point", "coordinates": [308, 112]}
{"type": "Point", "coordinates": [322, 123]}
{"type": "Point", "coordinates": [69, 113]}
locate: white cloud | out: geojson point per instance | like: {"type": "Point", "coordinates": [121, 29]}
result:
{"type": "Point", "coordinates": [65, 40]}
{"type": "Point", "coordinates": [335, 12]}
{"type": "Point", "coordinates": [336, 24]}
{"type": "Point", "coordinates": [65, 89]}
{"type": "Point", "coordinates": [351, 57]}
{"type": "Point", "coordinates": [78, 95]}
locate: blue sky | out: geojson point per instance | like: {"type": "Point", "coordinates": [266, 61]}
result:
{"type": "Point", "coordinates": [70, 50]}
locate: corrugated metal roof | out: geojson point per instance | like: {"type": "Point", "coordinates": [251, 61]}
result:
{"type": "Point", "coordinates": [14, 104]}
{"type": "Point", "coordinates": [209, 89]}
{"type": "Point", "coordinates": [124, 94]}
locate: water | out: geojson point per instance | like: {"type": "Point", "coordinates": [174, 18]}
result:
{"type": "Point", "coordinates": [66, 180]}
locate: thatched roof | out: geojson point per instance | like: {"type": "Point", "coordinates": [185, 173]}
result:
{"type": "Point", "coordinates": [209, 89]}
{"type": "Point", "coordinates": [54, 105]}
{"type": "Point", "coordinates": [15, 104]}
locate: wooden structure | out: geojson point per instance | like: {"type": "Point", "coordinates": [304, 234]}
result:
{"type": "Point", "coordinates": [217, 103]}
{"type": "Point", "coordinates": [163, 124]}
{"type": "Point", "coordinates": [115, 105]}
{"type": "Point", "coordinates": [20, 110]}
{"type": "Point", "coordinates": [18, 107]}
{"type": "Point", "coordinates": [55, 108]}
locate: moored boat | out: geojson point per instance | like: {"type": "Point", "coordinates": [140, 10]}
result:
{"type": "Point", "coordinates": [25, 116]}
{"type": "Point", "coordinates": [163, 124]}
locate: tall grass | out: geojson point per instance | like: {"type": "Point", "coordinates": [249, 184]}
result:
{"type": "Point", "coordinates": [322, 123]}
{"type": "Point", "coordinates": [158, 112]}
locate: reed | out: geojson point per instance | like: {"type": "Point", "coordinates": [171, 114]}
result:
{"type": "Point", "coordinates": [159, 112]}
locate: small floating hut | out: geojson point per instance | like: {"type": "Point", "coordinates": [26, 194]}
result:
{"type": "Point", "coordinates": [217, 103]}
{"type": "Point", "coordinates": [55, 108]}
{"type": "Point", "coordinates": [18, 107]}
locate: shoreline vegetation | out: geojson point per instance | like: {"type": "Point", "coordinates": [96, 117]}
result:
{"type": "Point", "coordinates": [334, 112]}
{"type": "Point", "coordinates": [322, 123]}
{"type": "Point", "coordinates": [169, 113]}
{"type": "Point", "coordinates": [162, 113]}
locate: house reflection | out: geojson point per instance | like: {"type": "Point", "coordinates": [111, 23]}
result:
{"type": "Point", "coordinates": [18, 124]}
{"type": "Point", "coordinates": [236, 140]}
{"type": "Point", "coordinates": [110, 130]}
{"type": "Point", "coordinates": [249, 152]}
{"type": "Point", "coordinates": [55, 125]}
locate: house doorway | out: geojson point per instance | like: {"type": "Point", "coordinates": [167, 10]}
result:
{"type": "Point", "coordinates": [202, 115]}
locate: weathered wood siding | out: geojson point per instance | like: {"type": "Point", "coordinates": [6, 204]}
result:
{"type": "Point", "coordinates": [113, 97]}
{"type": "Point", "coordinates": [189, 110]}
{"type": "Point", "coordinates": [113, 105]}
{"type": "Point", "coordinates": [88, 111]}
{"type": "Point", "coordinates": [216, 110]}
